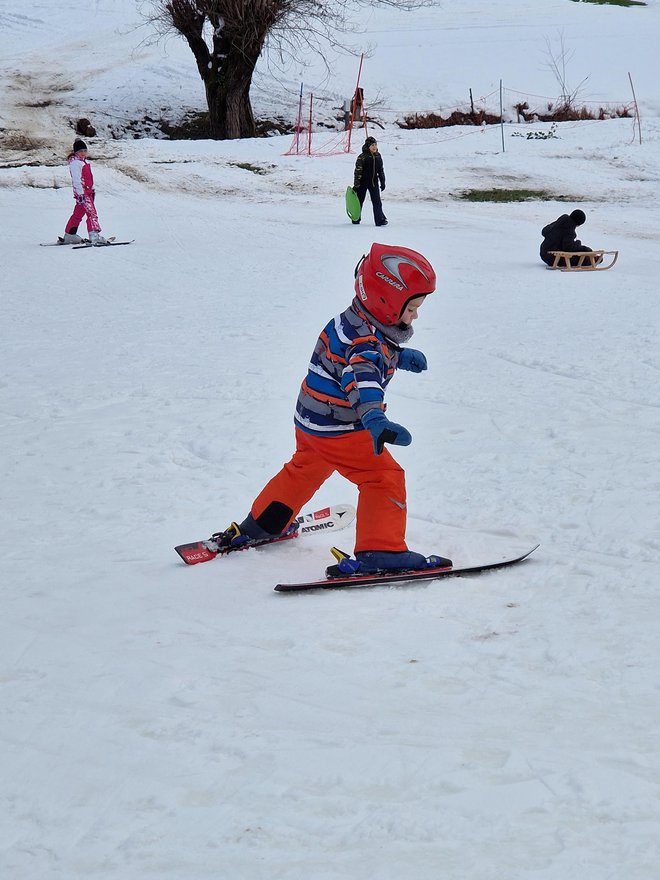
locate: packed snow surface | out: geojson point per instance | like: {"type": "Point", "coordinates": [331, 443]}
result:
{"type": "Point", "coordinates": [191, 724]}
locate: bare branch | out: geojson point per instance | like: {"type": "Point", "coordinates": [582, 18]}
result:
{"type": "Point", "coordinates": [228, 36]}
{"type": "Point", "coordinates": [557, 64]}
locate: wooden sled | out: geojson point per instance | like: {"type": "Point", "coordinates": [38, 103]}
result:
{"type": "Point", "coordinates": [587, 260]}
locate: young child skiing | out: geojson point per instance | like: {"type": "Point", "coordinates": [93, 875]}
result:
{"type": "Point", "coordinates": [83, 193]}
{"type": "Point", "coordinates": [369, 173]}
{"type": "Point", "coordinates": [340, 421]}
{"type": "Point", "coordinates": [561, 236]}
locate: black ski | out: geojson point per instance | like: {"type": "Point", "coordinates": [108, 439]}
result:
{"type": "Point", "coordinates": [84, 247]}
{"type": "Point", "coordinates": [386, 579]}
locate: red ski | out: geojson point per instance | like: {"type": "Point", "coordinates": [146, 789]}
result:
{"type": "Point", "coordinates": [327, 519]}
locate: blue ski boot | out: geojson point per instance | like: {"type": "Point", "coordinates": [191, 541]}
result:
{"type": "Point", "coordinates": [247, 534]}
{"type": "Point", "coordinates": [383, 562]}
{"type": "Point", "coordinates": [374, 561]}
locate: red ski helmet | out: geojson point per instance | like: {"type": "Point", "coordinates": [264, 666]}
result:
{"type": "Point", "coordinates": [388, 277]}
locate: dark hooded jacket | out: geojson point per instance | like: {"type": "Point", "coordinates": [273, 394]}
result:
{"type": "Point", "coordinates": [369, 169]}
{"type": "Point", "coordinates": [560, 236]}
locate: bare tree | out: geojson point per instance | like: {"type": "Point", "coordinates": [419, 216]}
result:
{"type": "Point", "coordinates": [228, 36]}
{"type": "Point", "coordinates": [557, 64]}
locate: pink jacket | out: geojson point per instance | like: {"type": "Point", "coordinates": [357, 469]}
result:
{"type": "Point", "coordinates": [81, 175]}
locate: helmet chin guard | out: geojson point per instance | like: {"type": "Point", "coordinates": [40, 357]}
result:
{"type": "Point", "coordinates": [388, 277]}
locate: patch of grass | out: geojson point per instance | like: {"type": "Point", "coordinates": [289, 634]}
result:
{"type": "Point", "coordinates": [132, 173]}
{"type": "Point", "coordinates": [247, 166]}
{"type": "Point", "coordinates": [614, 2]}
{"type": "Point", "coordinates": [193, 127]}
{"type": "Point", "coordinates": [513, 195]}
{"type": "Point", "coordinates": [15, 140]}
{"type": "Point", "coordinates": [268, 127]}
{"type": "Point", "coordinates": [47, 102]}
{"type": "Point", "coordinates": [172, 161]}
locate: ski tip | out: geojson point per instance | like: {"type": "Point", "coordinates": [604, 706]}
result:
{"type": "Point", "coordinates": [194, 553]}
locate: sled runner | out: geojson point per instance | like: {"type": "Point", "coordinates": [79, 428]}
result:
{"type": "Point", "coordinates": [587, 260]}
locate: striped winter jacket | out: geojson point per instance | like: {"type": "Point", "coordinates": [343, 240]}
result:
{"type": "Point", "coordinates": [349, 370]}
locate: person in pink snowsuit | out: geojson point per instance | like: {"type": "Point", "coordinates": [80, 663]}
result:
{"type": "Point", "coordinates": [83, 192]}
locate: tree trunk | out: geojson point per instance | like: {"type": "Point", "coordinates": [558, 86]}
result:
{"type": "Point", "coordinates": [228, 98]}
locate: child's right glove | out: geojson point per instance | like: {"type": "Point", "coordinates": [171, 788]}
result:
{"type": "Point", "coordinates": [383, 431]}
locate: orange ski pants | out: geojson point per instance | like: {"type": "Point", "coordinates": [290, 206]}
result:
{"type": "Point", "coordinates": [381, 483]}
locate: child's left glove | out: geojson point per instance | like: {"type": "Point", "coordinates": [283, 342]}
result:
{"type": "Point", "coordinates": [383, 431]}
{"type": "Point", "coordinates": [412, 360]}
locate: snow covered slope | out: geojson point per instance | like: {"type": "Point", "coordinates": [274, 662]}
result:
{"type": "Point", "coordinates": [188, 723]}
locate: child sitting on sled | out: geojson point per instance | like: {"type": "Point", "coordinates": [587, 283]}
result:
{"type": "Point", "coordinates": [340, 420]}
{"type": "Point", "coordinates": [561, 236]}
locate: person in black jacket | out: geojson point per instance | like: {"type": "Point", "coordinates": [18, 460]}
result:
{"type": "Point", "coordinates": [561, 236]}
{"type": "Point", "coordinates": [368, 174]}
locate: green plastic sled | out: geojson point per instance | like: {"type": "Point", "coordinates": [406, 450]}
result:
{"type": "Point", "coordinates": [353, 206]}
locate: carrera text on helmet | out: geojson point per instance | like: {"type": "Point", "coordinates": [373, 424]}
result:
{"type": "Point", "coordinates": [389, 280]}
{"type": "Point", "coordinates": [389, 277]}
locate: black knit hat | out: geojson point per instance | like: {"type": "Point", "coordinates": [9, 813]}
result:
{"type": "Point", "coordinates": [578, 217]}
{"type": "Point", "coordinates": [79, 145]}
{"type": "Point", "coordinates": [369, 141]}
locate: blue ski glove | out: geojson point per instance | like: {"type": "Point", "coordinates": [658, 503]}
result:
{"type": "Point", "coordinates": [411, 359]}
{"type": "Point", "coordinates": [383, 431]}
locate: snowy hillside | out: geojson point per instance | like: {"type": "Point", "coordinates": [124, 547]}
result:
{"type": "Point", "coordinates": [189, 723]}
